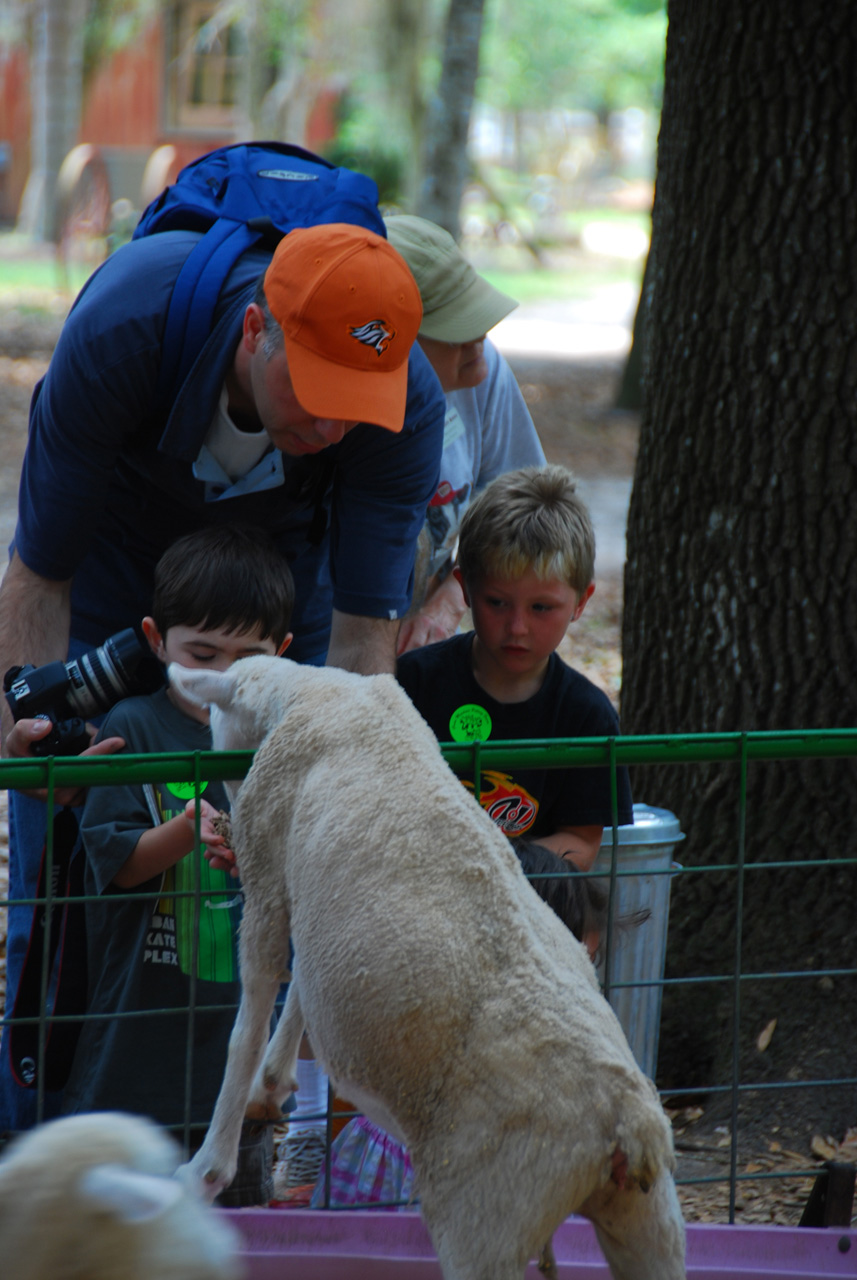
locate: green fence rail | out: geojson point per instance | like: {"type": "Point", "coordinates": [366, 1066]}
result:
{"type": "Point", "coordinates": [536, 753]}
{"type": "Point", "coordinates": [742, 749]}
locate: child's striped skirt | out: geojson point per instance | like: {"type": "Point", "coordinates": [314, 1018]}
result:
{"type": "Point", "coordinates": [367, 1167]}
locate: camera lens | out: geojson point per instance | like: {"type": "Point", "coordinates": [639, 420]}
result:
{"type": "Point", "coordinates": [102, 676]}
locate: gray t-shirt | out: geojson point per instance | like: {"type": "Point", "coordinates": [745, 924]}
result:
{"type": "Point", "coordinates": [147, 947]}
{"type": "Point", "coordinates": [487, 432]}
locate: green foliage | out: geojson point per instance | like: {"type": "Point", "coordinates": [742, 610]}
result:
{"type": "Point", "coordinates": [385, 167]}
{"type": "Point", "coordinates": [282, 26]}
{"type": "Point", "coordinates": [112, 25]}
{"type": "Point", "coordinates": [597, 54]}
{"type": "Point", "coordinates": [585, 280]}
{"type": "Point", "coordinates": [363, 143]}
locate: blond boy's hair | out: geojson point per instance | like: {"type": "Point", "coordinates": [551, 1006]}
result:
{"type": "Point", "coordinates": [532, 518]}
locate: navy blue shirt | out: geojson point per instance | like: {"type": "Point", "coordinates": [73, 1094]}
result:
{"type": "Point", "coordinates": [107, 482]}
{"type": "Point", "coordinates": [440, 682]}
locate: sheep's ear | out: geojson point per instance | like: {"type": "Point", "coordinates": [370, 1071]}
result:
{"type": "Point", "coordinates": [204, 688]}
{"type": "Point", "coordinates": [130, 1196]}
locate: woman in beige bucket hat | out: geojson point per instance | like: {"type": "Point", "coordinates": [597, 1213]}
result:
{"type": "Point", "coordinates": [488, 428]}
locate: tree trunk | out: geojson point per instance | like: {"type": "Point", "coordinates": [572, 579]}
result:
{"type": "Point", "coordinates": [630, 393]}
{"type": "Point", "coordinates": [740, 608]}
{"type": "Point", "coordinates": [402, 44]}
{"type": "Point", "coordinates": [446, 163]}
{"type": "Point", "coordinates": [56, 87]}
{"type": "Point", "coordinates": [282, 111]}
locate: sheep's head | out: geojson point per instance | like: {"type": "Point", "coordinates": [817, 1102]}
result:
{"type": "Point", "coordinates": [96, 1195]}
{"type": "Point", "coordinates": [246, 701]}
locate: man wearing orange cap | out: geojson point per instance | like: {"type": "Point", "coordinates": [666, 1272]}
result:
{"type": "Point", "coordinates": [309, 411]}
{"type": "Point", "coordinates": [110, 479]}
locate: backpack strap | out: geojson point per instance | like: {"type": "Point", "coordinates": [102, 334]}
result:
{"type": "Point", "coordinates": [239, 197]}
{"type": "Point", "coordinates": [195, 295]}
{"type": "Point", "coordinates": [66, 928]}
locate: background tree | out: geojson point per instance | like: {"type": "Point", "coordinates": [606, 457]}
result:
{"type": "Point", "coordinates": [596, 55]}
{"type": "Point", "coordinates": [56, 78]}
{"type": "Point", "coordinates": [445, 161]}
{"type": "Point", "coordinates": [740, 609]}
{"type": "Point", "coordinates": [391, 61]}
{"type": "Point", "coordinates": [407, 30]}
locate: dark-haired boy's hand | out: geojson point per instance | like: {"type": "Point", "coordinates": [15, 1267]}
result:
{"type": "Point", "coordinates": [216, 851]}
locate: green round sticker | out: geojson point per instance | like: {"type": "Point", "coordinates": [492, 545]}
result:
{"type": "Point", "coordinates": [470, 723]}
{"type": "Point", "coordinates": [184, 790]}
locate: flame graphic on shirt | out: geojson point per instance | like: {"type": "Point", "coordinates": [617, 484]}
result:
{"type": "Point", "coordinates": [506, 802]}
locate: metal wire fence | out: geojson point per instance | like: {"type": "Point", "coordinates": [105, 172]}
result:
{"type": "Point", "coordinates": [739, 749]}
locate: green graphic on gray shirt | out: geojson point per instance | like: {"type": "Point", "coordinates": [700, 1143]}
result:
{"type": "Point", "coordinates": [216, 957]}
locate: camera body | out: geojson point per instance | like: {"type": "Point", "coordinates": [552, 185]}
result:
{"type": "Point", "coordinates": [66, 693]}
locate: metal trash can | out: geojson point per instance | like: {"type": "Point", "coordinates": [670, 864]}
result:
{"type": "Point", "coordinates": [638, 953]}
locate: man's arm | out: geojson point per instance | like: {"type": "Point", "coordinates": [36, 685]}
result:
{"type": "Point", "coordinates": [364, 645]}
{"type": "Point", "coordinates": [437, 619]}
{"type": "Point", "coordinates": [35, 616]}
{"type": "Point", "coordinates": [34, 628]}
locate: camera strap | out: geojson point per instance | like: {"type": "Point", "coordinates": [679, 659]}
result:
{"type": "Point", "coordinates": [65, 925]}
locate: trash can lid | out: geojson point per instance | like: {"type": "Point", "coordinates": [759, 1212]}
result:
{"type": "Point", "coordinates": [651, 826]}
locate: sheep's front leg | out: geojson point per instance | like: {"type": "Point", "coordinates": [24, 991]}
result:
{"type": "Point", "coordinates": [276, 1078]}
{"type": "Point", "coordinates": [215, 1163]}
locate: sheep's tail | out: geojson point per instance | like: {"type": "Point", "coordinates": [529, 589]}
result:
{"type": "Point", "coordinates": [644, 1143]}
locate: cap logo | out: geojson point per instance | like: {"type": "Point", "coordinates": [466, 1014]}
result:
{"type": "Point", "coordinates": [374, 333]}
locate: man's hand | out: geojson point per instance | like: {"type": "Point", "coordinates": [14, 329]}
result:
{"type": "Point", "coordinates": [216, 852]}
{"type": "Point", "coordinates": [18, 745]}
{"type": "Point", "coordinates": [437, 619]}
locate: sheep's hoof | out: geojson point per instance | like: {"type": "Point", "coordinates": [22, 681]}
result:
{"type": "Point", "coordinates": [256, 1111]}
{"type": "Point", "coordinates": [204, 1182]}
{"type": "Point", "coordinates": [547, 1261]}
{"type": "Point", "coordinates": [267, 1108]}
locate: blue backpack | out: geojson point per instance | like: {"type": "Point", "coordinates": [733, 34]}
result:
{"type": "Point", "coordinates": [240, 196]}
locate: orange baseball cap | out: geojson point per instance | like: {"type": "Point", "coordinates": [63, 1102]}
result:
{"type": "Point", "coordinates": [349, 310]}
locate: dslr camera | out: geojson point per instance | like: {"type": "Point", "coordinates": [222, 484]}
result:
{"type": "Point", "coordinates": [67, 693]}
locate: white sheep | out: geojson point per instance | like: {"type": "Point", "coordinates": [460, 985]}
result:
{"type": "Point", "coordinates": [442, 996]}
{"type": "Point", "coordinates": [94, 1196]}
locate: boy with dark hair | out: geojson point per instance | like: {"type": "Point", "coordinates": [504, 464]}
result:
{"type": "Point", "coordinates": [162, 928]}
{"type": "Point", "coordinates": [526, 560]}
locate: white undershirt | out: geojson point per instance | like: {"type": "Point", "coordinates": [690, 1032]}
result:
{"type": "Point", "coordinates": [236, 451]}
{"type": "Point", "coordinates": [233, 462]}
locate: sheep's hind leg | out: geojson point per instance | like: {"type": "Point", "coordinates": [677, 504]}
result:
{"type": "Point", "coordinates": [276, 1077]}
{"type": "Point", "coordinates": [215, 1163]}
{"type": "Point", "coordinates": [476, 1237]}
{"type": "Point", "coordinates": [547, 1261]}
{"type": "Point", "coordinates": [641, 1234]}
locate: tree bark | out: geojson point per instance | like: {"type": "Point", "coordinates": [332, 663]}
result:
{"type": "Point", "coordinates": [446, 163]}
{"type": "Point", "coordinates": [402, 45]}
{"type": "Point", "coordinates": [740, 608]}
{"type": "Point", "coordinates": [56, 92]}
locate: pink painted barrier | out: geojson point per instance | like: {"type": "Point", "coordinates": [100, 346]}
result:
{"type": "Point", "coordinates": [295, 1244]}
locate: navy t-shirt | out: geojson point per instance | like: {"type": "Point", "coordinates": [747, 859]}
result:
{"type": "Point", "coordinates": [439, 681]}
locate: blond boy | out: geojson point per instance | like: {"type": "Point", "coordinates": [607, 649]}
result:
{"type": "Point", "coordinates": [526, 565]}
